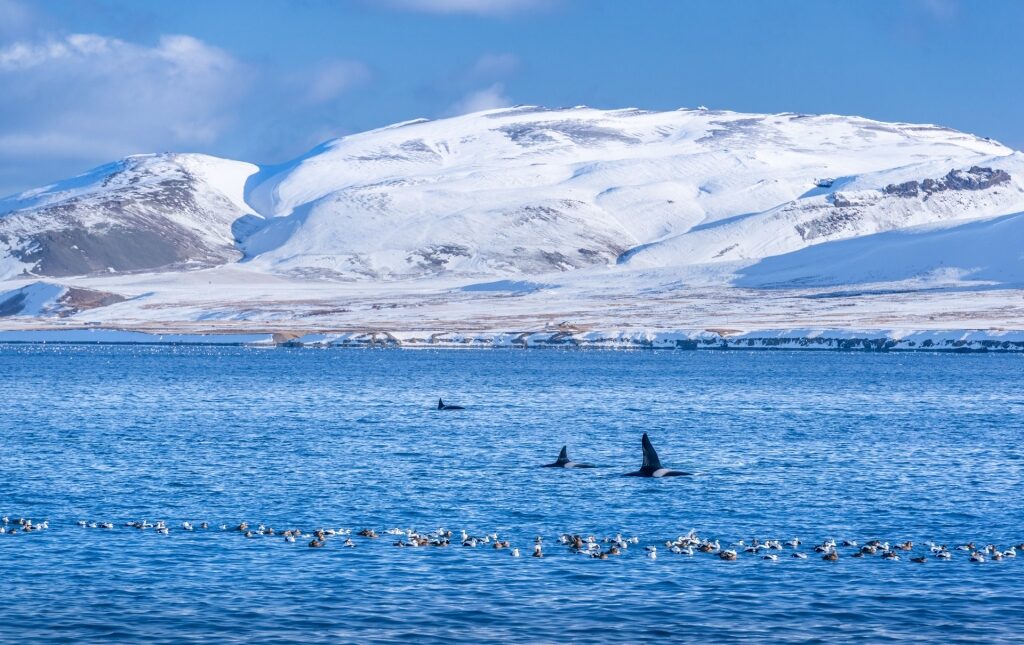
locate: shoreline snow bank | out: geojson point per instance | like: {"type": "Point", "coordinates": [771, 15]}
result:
{"type": "Point", "coordinates": [99, 336]}
{"type": "Point", "coordinates": [992, 340]}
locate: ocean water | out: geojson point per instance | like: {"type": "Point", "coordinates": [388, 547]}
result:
{"type": "Point", "coordinates": [813, 445]}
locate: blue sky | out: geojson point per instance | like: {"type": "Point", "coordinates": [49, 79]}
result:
{"type": "Point", "coordinates": [90, 81]}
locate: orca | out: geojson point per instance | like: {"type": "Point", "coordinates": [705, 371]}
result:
{"type": "Point", "coordinates": [441, 405]}
{"type": "Point", "coordinates": [563, 461]}
{"type": "Point", "coordinates": [652, 465]}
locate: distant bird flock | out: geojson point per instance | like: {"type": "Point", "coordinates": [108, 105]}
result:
{"type": "Point", "coordinates": [689, 545]}
{"type": "Point", "coordinates": [590, 546]}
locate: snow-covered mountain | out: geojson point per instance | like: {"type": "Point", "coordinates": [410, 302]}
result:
{"type": "Point", "coordinates": [518, 191]}
{"type": "Point", "coordinates": [532, 191]}
{"type": "Point", "coordinates": [581, 201]}
{"type": "Point", "coordinates": [149, 212]}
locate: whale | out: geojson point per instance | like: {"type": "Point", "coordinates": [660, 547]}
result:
{"type": "Point", "coordinates": [441, 405]}
{"type": "Point", "coordinates": [651, 467]}
{"type": "Point", "coordinates": [563, 461]}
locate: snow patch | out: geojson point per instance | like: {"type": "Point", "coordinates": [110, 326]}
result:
{"type": "Point", "coordinates": [40, 299]}
{"type": "Point", "coordinates": [508, 286]}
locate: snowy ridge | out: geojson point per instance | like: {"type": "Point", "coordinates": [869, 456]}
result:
{"type": "Point", "coordinates": [522, 217]}
{"type": "Point", "coordinates": [520, 191]}
{"type": "Point", "coordinates": [529, 190]}
{"type": "Point", "coordinates": [148, 212]}
{"type": "Point", "coordinates": [852, 207]}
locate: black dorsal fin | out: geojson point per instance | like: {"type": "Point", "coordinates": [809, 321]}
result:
{"type": "Point", "coordinates": [651, 461]}
{"type": "Point", "coordinates": [563, 456]}
{"type": "Point", "coordinates": [440, 404]}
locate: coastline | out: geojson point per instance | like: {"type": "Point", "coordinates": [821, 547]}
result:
{"type": "Point", "coordinates": [872, 340]}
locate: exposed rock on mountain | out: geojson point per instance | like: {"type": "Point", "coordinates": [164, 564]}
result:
{"type": "Point", "coordinates": [155, 212]}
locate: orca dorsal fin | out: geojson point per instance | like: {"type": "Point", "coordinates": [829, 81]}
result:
{"type": "Point", "coordinates": [563, 456]}
{"type": "Point", "coordinates": [440, 404]}
{"type": "Point", "coordinates": [651, 461]}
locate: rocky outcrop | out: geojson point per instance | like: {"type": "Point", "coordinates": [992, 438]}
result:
{"type": "Point", "coordinates": [974, 178]}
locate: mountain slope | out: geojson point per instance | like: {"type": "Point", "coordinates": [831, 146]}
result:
{"type": "Point", "coordinates": [519, 191]}
{"type": "Point", "coordinates": [149, 212]}
{"type": "Point", "coordinates": [990, 250]}
{"type": "Point", "coordinates": [922, 193]}
{"type": "Point", "coordinates": [529, 190]}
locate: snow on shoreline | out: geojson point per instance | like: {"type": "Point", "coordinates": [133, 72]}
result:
{"type": "Point", "coordinates": [791, 339]}
{"type": "Point", "coordinates": [97, 336]}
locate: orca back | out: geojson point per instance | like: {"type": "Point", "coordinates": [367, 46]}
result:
{"type": "Point", "coordinates": [651, 461]}
{"type": "Point", "coordinates": [563, 459]}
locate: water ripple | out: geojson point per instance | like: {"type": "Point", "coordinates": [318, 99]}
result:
{"type": "Point", "coordinates": [784, 443]}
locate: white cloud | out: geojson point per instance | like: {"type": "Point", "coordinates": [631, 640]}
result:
{"type": "Point", "coordinates": [481, 86]}
{"type": "Point", "coordinates": [102, 95]}
{"type": "Point", "coordinates": [80, 100]}
{"type": "Point", "coordinates": [474, 7]}
{"type": "Point", "coordinates": [488, 98]}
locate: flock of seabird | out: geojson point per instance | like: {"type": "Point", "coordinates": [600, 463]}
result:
{"type": "Point", "coordinates": [590, 546]}
{"type": "Point", "coordinates": [601, 548]}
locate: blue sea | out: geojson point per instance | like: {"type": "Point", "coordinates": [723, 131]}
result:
{"type": "Point", "coordinates": [814, 445]}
